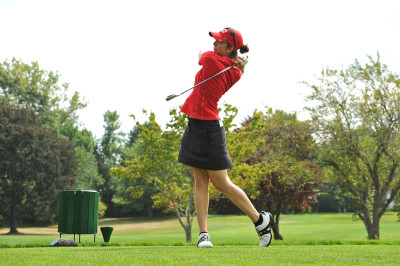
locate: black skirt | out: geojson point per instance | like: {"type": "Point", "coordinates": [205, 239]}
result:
{"type": "Point", "coordinates": [204, 145]}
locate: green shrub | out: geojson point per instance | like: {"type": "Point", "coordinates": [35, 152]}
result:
{"type": "Point", "coordinates": [397, 205]}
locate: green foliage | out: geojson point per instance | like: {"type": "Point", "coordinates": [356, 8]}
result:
{"type": "Point", "coordinates": [34, 165]}
{"type": "Point", "coordinates": [230, 112]}
{"type": "Point", "coordinates": [131, 205]}
{"type": "Point", "coordinates": [27, 86]}
{"type": "Point", "coordinates": [88, 176]}
{"type": "Point", "coordinates": [112, 138]}
{"type": "Point", "coordinates": [272, 154]}
{"type": "Point", "coordinates": [356, 120]}
{"type": "Point", "coordinates": [102, 208]}
{"type": "Point", "coordinates": [156, 165]}
{"type": "Point", "coordinates": [134, 134]}
{"type": "Point", "coordinates": [107, 152]}
{"type": "Point", "coordinates": [330, 202]}
{"type": "Point", "coordinates": [397, 205]}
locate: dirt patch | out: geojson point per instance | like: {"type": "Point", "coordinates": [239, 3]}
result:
{"type": "Point", "coordinates": [50, 230]}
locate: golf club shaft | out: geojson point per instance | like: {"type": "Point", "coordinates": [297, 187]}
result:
{"type": "Point", "coordinates": [170, 97]}
{"type": "Point", "coordinates": [222, 71]}
{"type": "Point", "coordinates": [173, 96]}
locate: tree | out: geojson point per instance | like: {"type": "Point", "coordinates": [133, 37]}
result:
{"type": "Point", "coordinates": [356, 115]}
{"type": "Point", "coordinates": [396, 206]}
{"type": "Point", "coordinates": [133, 134]}
{"type": "Point", "coordinates": [329, 201]}
{"type": "Point", "coordinates": [27, 86]}
{"type": "Point", "coordinates": [129, 205]}
{"type": "Point", "coordinates": [88, 176]}
{"type": "Point", "coordinates": [107, 152]}
{"type": "Point", "coordinates": [34, 165]}
{"type": "Point", "coordinates": [270, 154]}
{"type": "Point", "coordinates": [157, 165]}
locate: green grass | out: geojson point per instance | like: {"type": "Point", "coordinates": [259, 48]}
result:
{"type": "Point", "coordinates": [332, 239]}
{"type": "Point", "coordinates": [226, 255]}
{"type": "Point", "coordinates": [225, 230]}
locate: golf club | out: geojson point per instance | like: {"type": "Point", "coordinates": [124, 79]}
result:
{"type": "Point", "coordinates": [170, 97]}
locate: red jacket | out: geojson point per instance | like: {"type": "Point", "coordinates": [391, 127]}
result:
{"type": "Point", "coordinates": [202, 103]}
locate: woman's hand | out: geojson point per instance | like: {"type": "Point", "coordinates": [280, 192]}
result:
{"type": "Point", "coordinates": [239, 62]}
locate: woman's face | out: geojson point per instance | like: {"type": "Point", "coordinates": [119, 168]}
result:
{"type": "Point", "coordinates": [221, 49]}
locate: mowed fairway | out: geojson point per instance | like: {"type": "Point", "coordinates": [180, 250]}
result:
{"type": "Point", "coordinates": [227, 255]}
{"type": "Point", "coordinates": [227, 230]}
{"type": "Point", "coordinates": [308, 239]}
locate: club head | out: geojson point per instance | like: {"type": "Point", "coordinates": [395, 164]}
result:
{"type": "Point", "coordinates": [170, 97]}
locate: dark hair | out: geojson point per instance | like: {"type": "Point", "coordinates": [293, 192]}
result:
{"type": "Point", "coordinates": [244, 49]}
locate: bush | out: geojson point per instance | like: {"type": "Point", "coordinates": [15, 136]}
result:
{"type": "Point", "coordinates": [327, 202]}
{"type": "Point", "coordinates": [396, 207]}
{"type": "Point", "coordinates": [102, 208]}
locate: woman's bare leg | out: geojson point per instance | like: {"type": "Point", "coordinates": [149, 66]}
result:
{"type": "Point", "coordinates": [221, 181]}
{"type": "Point", "coordinates": [201, 197]}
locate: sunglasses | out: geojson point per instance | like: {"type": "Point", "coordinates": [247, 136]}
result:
{"type": "Point", "coordinates": [232, 32]}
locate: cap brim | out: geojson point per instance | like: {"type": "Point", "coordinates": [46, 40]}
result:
{"type": "Point", "coordinates": [217, 36]}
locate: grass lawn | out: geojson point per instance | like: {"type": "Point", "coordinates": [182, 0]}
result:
{"type": "Point", "coordinates": [332, 239]}
{"type": "Point", "coordinates": [230, 229]}
{"type": "Point", "coordinates": [226, 255]}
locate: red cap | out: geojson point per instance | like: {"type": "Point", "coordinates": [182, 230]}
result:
{"type": "Point", "coordinates": [226, 35]}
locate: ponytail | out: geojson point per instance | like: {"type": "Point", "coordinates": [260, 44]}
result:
{"type": "Point", "coordinates": [244, 49]}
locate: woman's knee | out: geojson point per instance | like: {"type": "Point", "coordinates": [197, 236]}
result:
{"type": "Point", "coordinates": [201, 178]}
{"type": "Point", "coordinates": [202, 183]}
{"type": "Point", "coordinates": [220, 181]}
{"type": "Point", "coordinates": [222, 186]}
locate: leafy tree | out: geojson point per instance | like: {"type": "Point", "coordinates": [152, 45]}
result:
{"type": "Point", "coordinates": [356, 118]}
{"type": "Point", "coordinates": [130, 205]}
{"type": "Point", "coordinates": [112, 138]}
{"type": "Point", "coordinates": [134, 134]}
{"type": "Point", "coordinates": [34, 165]}
{"type": "Point", "coordinates": [88, 176]}
{"type": "Point", "coordinates": [157, 165]}
{"type": "Point", "coordinates": [397, 205]}
{"type": "Point", "coordinates": [330, 202]}
{"type": "Point", "coordinates": [27, 86]}
{"type": "Point", "coordinates": [270, 154]}
{"type": "Point", "coordinates": [108, 152]}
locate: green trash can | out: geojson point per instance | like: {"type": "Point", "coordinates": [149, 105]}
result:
{"type": "Point", "coordinates": [78, 212]}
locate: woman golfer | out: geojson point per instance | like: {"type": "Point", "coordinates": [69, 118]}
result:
{"type": "Point", "coordinates": [204, 145]}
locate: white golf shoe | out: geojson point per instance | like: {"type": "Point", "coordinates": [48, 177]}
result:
{"type": "Point", "coordinates": [204, 241]}
{"type": "Point", "coordinates": [264, 229]}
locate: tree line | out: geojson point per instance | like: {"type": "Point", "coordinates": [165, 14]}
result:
{"type": "Point", "coordinates": [347, 152]}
